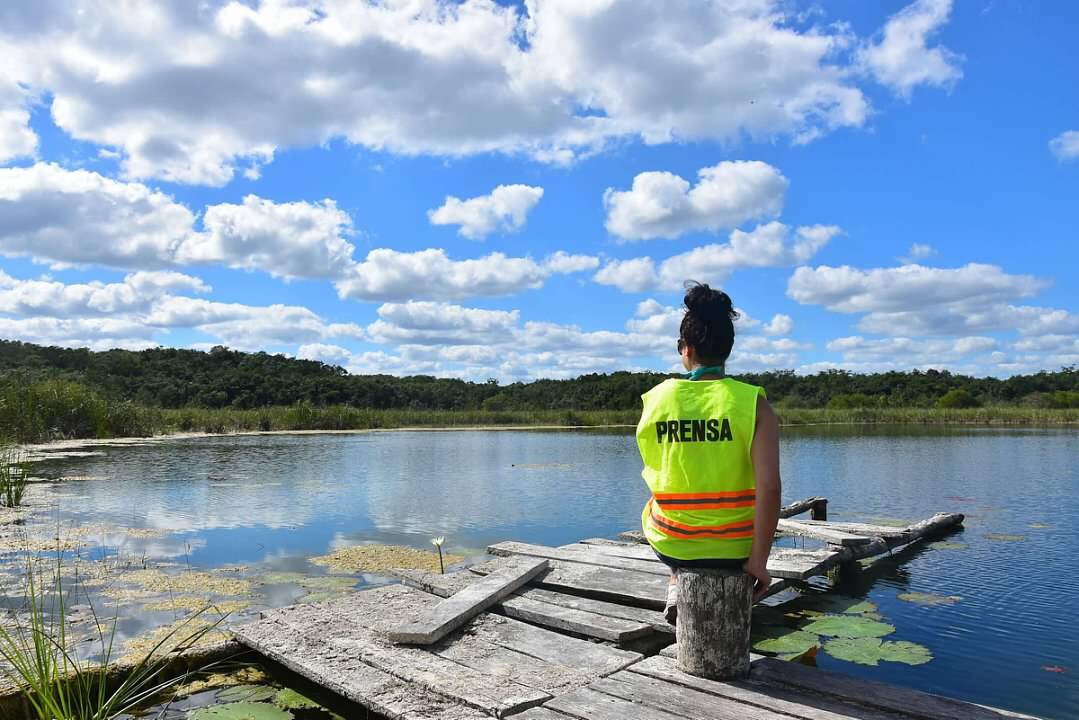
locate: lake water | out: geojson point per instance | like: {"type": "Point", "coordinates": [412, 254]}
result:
{"type": "Point", "coordinates": [273, 501]}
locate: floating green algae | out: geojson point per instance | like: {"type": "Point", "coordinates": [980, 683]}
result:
{"type": "Point", "coordinates": [1005, 537]}
{"type": "Point", "coordinates": [247, 693]}
{"type": "Point", "coordinates": [783, 641]}
{"type": "Point", "coordinates": [946, 545]}
{"type": "Point", "coordinates": [929, 599]}
{"type": "Point", "coordinates": [849, 626]}
{"type": "Point", "coordinates": [240, 711]}
{"type": "Point", "coordinates": [870, 651]}
{"type": "Point", "coordinates": [375, 558]}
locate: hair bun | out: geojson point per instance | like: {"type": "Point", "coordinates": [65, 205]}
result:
{"type": "Point", "coordinates": [703, 300]}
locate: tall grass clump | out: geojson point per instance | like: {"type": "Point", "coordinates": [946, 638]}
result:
{"type": "Point", "coordinates": [63, 409]}
{"type": "Point", "coordinates": [14, 474]}
{"type": "Point", "coordinates": [36, 655]}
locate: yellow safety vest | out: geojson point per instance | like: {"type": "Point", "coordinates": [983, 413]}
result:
{"type": "Point", "coordinates": [695, 438]}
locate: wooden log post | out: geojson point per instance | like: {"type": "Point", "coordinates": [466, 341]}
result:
{"type": "Point", "coordinates": [713, 623]}
{"type": "Point", "coordinates": [819, 510]}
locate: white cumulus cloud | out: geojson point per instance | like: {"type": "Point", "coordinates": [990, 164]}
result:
{"type": "Point", "coordinates": [780, 324]}
{"type": "Point", "coordinates": [504, 209]}
{"type": "Point", "coordinates": [662, 204]}
{"type": "Point", "coordinates": [391, 275]}
{"type": "Point", "coordinates": [902, 58]}
{"type": "Point", "coordinates": [195, 92]}
{"type": "Point", "coordinates": [78, 217]}
{"type": "Point", "coordinates": [771, 245]}
{"type": "Point", "coordinates": [292, 239]}
{"type": "Point", "coordinates": [1065, 146]}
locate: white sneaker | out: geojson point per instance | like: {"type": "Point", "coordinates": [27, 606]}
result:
{"type": "Point", "coordinates": [670, 610]}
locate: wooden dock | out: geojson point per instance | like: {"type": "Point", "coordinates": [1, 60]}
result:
{"type": "Point", "coordinates": [584, 639]}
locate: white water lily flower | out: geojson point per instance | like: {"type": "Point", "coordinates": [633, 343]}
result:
{"type": "Point", "coordinates": [437, 542]}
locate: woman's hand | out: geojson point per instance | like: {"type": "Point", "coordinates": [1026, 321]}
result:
{"type": "Point", "coordinates": [761, 579]}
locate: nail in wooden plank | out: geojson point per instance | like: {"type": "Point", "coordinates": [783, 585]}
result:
{"type": "Point", "coordinates": [435, 623]}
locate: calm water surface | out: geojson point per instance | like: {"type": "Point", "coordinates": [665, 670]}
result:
{"type": "Point", "coordinates": [274, 501]}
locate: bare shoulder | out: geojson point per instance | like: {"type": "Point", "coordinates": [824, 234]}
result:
{"type": "Point", "coordinates": [765, 414]}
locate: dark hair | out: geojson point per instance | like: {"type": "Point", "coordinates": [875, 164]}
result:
{"type": "Point", "coordinates": [708, 324]}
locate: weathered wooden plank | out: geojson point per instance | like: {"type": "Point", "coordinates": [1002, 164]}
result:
{"type": "Point", "coordinates": [793, 564]}
{"type": "Point", "coordinates": [539, 713]}
{"type": "Point", "coordinates": [872, 694]}
{"type": "Point", "coordinates": [820, 532]}
{"type": "Point", "coordinates": [588, 704]}
{"type": "Point", "coordinates": [625, 586]}
{"type": "Point", "coordinates": [354, 626]}
{"type": "Point", "coordinates": [348, 676]}
{"type": "Point", "coordinates": [592, 658]}
{"type": "Point", "coordinates": [601, 607]}
{"type": "Point", "coordinates": [586, 556]}
{"type": "Point", "coordinates": [866, 529]}
{"type": "Point", "coordinates": [530, 606]}
{"type": "Point", "coordinates": [440, 620]}
{"type": "Point", "coordinates": [939, 523]}
{"type": "Point", "coordinates": [498, 661]}
{"type": "Point", "coordinates": [684, 702]}
{"type": "Point", "coordinates": [582, 622]}
{"type": "Point", "coordinates": [771, 697]}
{"type": "Point", "coordinates": [637, 551]}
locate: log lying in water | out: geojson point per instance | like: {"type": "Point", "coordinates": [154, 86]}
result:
{"type": "Point", "coordinates": [877, 546]}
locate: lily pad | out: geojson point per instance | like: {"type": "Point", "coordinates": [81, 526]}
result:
{"type": "Point", "coordinates": [1039, 526]}
{"type": "Point", "coordinates": [246, 694]}
{"type": "Point", "coordinates": [849, 626]}
{"type": "Point", "coordinates": [240, 711]}
{"type": "Point", "coordinates": [870, 651]}
{"type": "Point", "coordinates": [291, 700]}
{"type": "Point", "coordinates": [1005, 537]}
{"type": "Point", "coordinates": [945, 545]}
{"type": "Point", "coordinates": [929, 599]}
{"type": "Point", "coordinates": [829, 603]}
{"type": "Point", "coordinates": [783, 641]}
{"type": "Point", "coordinates": [328, 582]}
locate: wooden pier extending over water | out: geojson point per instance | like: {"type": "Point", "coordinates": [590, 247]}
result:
{"type": "Point", "coordinates": [584, 639]}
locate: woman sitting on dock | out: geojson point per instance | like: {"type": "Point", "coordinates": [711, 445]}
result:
{"type": "Point", "coordinates": [710, 446]}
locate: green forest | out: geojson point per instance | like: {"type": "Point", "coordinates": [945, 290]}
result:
{"type": "Point", "coordinates": [48, 392]}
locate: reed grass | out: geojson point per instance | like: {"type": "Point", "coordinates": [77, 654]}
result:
{"type": "Point", "coordinates": [14, 474]}
{"type": "Point", "coordinates": [36, 655]}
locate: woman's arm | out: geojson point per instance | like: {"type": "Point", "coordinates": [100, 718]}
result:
{"type": "Point", "coordinates": [765, 453]}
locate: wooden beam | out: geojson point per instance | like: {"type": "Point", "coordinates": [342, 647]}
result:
{"type": "Point", "coordinates": [686, 703]}
{"type": "Point", "coordinates": [584, 555]}
{"type": "Point", "coordinates": [774, 698]}
{"type": "Point", "coordinates": [820, 532]}
{"type": "Point", "coordinates": [439, 621]}
{"type": "Point", "coordinates": [597, 612]}
{"type": "Point", "coordinates": [872, 694]}
{"type": "Point", "coordinates": [350, 677]}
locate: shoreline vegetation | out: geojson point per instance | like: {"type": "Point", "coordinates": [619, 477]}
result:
{"type": "Point", "coordinates": [49, 394]}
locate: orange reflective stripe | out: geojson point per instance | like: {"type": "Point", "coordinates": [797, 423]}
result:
{"type": "Point", "coordinates": [707, 506]}
{"type": "Point", "coordinates": [698, 496]}
{"type": "Point", "coordinates": [676, 529]}
{"type": "Point", "coordinates": [707, 501]}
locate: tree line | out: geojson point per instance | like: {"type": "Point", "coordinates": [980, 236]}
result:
{"type": "Point", "coordinates": [223, 378]}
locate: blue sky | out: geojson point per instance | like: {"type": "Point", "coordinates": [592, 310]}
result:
{"type": "Point", "coordinates": [519, 190]}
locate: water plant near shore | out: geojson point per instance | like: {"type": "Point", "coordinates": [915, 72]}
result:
{"type": "Point", "coordinates": [38, 655]}
{"type": "Point", "coordinates": [14, 474]}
